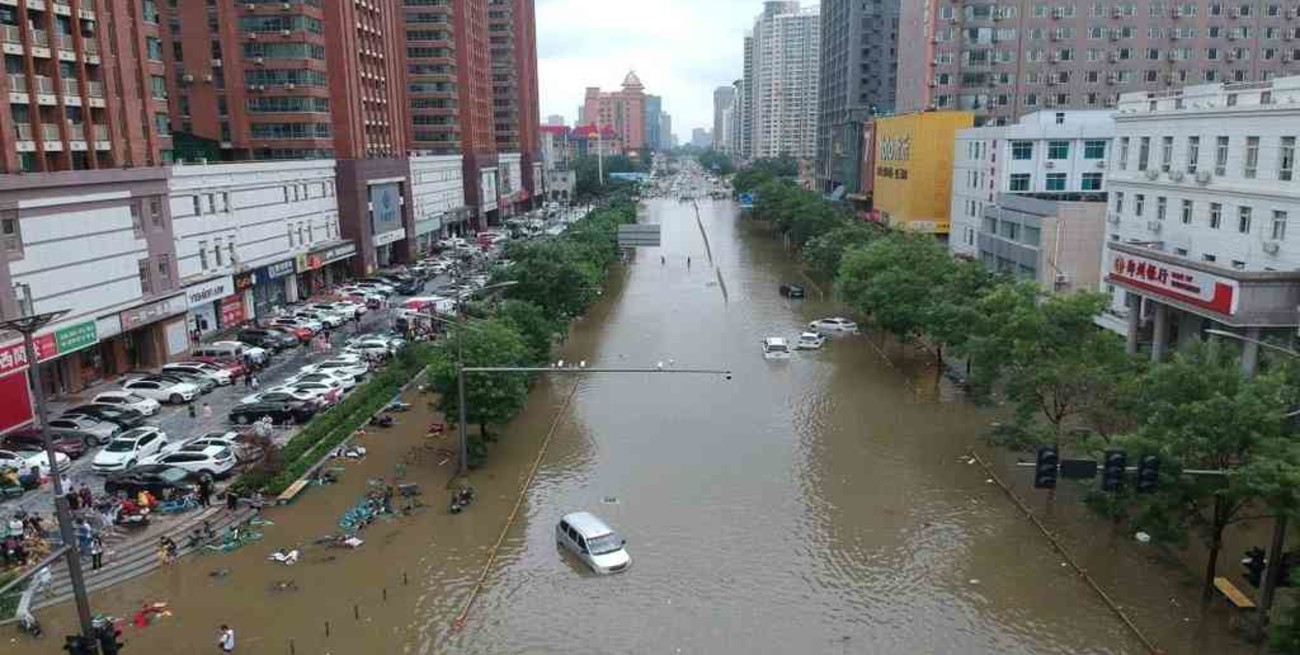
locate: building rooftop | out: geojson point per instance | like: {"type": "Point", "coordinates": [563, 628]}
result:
{"type": "Point", "coordinates": [1234, 96]}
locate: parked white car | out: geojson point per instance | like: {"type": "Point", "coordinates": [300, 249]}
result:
{"type": "Point", "coordinates": [835, 324]}
{"type": "Point", "coordinates": [343, 363]}
{"type": "Point", "coordinates": [163, 391]}
{"type": "Point", "coordinates": [213, 461]}
{"type": "Point", "coordinates": [129, 400]}
{"type": "Point", "coordinates": [221, 376]}
{"type": "Point", "coordinates": [325, 392]}
{"type": "Point", "coordinates": [810, 341]}
{"type": "Point", "coordinates": [324, 317]}
{"type": "Point", "coordinates": [103, 430]}
{"type": "Point", "coordinates": [342, 380]}
{"type": "Point", "coordinates": [279, 393]}
{"type": "Point", "coordinates": [226, 439]}
{"type": "Point", "coordinates": [24, 460]}
{"type": "Point", "coordinates": [129, 449]}
{"type": "Point", "coordinates": [372, 346]}
{"type": "Point", "coordinates": [257, 353]}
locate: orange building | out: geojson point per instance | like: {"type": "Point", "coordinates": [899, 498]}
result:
{"type": "Point", "coordinates": [622, 111]}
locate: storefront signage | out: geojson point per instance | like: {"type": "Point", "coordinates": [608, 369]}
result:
{"type": "Point", "coordinates": [244, 281]}
{"type": "Point", "coordinates": [314, 260]}
{"type": "Point", "coordinates": [210, 291]}
{"type": "Point", "coordinates": [1204, 290]}
{"type": "Point", "coordinates": [340, 252]}
{"type": "Point", "coordinates": [385, 207]}
{"type": "Point", "coordinates": [896, 148]}
{"type": "Point", "coordinates": [145, 314]}
{"type": "Point", "coordinates": [424, 227]}
{"type": "Point", "coordinates": [76, 337]}
{"type": "Point", "coordinates": [389, 237]}
{"type": "Point", "coordinates": [13, 357]}
{"type": "Point", "coordinates": [275, 271]}
{"type": "Point", "coordinates": [891, 172]}
{"type": "Point", "coordinates": [232, 310]}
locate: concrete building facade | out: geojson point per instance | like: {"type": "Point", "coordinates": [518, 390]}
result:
{"type": "Point", "coordinates": [1002, 60]}
{"type": "Point", "coordinates": [856, 79]}
{"type": "Point", "coordinates": [1203, 188]}
{"type": "Point", "coordinates": [784, 54]}
{"type": "Point", "coordinates": [623, 111]}
{"type": "Point", "coordinates": [654, 106]}
{"type": "Point", "coordinates": [1057, 155]}
{"type": "Point", "coordinates": [438, 196]}
{"type": "Point", "coordinates": [724, 99]}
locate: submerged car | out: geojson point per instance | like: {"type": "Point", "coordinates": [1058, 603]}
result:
{"type": "Point", "coordinates": [776, 348]}
{"type": "Point", "coordinates": [593, 541]}
{"type": "Point", "coordinates": [835, 324]}
{"type": "Point", "coordinates": [810, 341]}
{"type": "Point", "coordinates": [791, 290]}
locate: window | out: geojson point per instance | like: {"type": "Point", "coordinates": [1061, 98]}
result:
{"type": "Point", "coordinates": [1277, 229]}
{"type": "Point", "coordinates": [1123, 153]}
{"type": "Point", "coordinates": [1020, 181]}
{"type": "Point", "coordinates": [1209, 258]}
{"type": "Point", "coordinates": [1058, 149]}
{"type": "Point", "coordinates": [1139, 204]}
{"type": "Point", "coordinates": [1286, 159]}
{"type": "Point", "coordinates": [146, 286]}
{"type": "Point", "coordinates": [198, 205]}
{"type": "Point", "coordinates": [1119, 202]}
{"type": "Point", "coordinates": [153, 47]}
{"type": "Point", "coordinates": [1243, 220]}
{"type": "Point", "coordinates": [1238, 264]}
{"type": "Point", "coordinates": [1022, 150]}
{"type": "Point", "coordinates": [137, 221]}
{"type": "Point", "coordinates": [1091, 182]}
{"type": "Point", "coordinates": [1216, 215]}
{"type": "Point", "coordinates": [1162, 208]}
{"type": "Point", "coordinates": [1221, 156]}
{"type": "Point", "coordinates": [1010, 230]}
{"type": "Point", "coordinates": [203, 255]}
{"type": "Point", "coordinates": [1094, 149]}
{"type": "Point", "coordinates": [1186, 214]}
{"type": "Point", "coordinates": [1144, 152]}
{"type": "Point", "coordinates": [290, 228]}
{"type": "Point", "coordinates": [216, 253]}
{"type": "Point", "coordinates": [1252, 156]}
{"type": "Point", "coordinates": [155, 212]}
{"type": "Point", "coordinates": [1166, 153]}
{"type": "Point", "coordinates": [1193, 152]}
{"type": "Point", "coordinates": [1056, 181]}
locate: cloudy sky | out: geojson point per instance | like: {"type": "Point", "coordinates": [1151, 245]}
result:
{"type": "Point", "coordinates": [681, 50]}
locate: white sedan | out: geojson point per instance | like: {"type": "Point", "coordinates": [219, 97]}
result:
{"type": "Point", "coordinates": [340, 366]}
{"type": "Point", "coordinates": [163, 391]}
{"type": "Point", "coordinates": [221, 376]}
{"type": "Point", "coordinates": [129, 400]}
{"type": "Point", "coordinates": [332, 378]}
{"type": "Point", "coordinates": [373, 346]}
{"type": "Point", "coordinates": [128, 449]}
{"type": "Point", "coordinates": [25, 460]}
{"type": "Point", "coordinates": [328, 394]}
{"type": "Point", "coordinates": [835, 324]}
{"type": "Point", "coordinates": [212, 461]}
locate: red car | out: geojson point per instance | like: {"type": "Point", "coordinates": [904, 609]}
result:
{"type": "Point", "coordinates": [304, 335]}
{"type": "Point", "coordinates": [28, 439]}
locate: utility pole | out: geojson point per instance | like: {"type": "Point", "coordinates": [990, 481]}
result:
{"type": "Point", "coordinates": [27, 323]}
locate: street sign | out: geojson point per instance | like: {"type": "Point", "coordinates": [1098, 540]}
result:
{"type": "Point", "coordinates": [638, 235]}
{"type": "Point", "coordinates": [746, 201]}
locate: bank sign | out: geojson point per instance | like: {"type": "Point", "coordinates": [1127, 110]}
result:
{"type": "Point", "coordinates": [385, 208]}
{"type": "Point", "coordinates": [1203, 290]}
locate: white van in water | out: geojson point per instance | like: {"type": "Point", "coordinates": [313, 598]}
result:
{"type": "Point", "coordinates": [593, 542]}
{"type": "Point", "coordinates": [776, 348]}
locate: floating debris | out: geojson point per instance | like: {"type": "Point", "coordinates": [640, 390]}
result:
{"type": "Point", "coordinates": [609, 500]}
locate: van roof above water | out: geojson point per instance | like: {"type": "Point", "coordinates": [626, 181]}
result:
{"type": "Point", "coordinates": [587, 524]}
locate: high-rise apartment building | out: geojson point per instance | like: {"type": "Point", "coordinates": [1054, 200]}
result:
{"type": "Point", "coordinates": [654, 106]}
{"type": "Point", "coordinates": [512, 40]}
{"type": "Point", "coordinates": [724, 98]}
{"type": "Point", "coordinates": [86, 87]}
{"type": "Point", "coordinates": [781, 75]}
{"type": "Point", "coordinates": [745, 120]}
{"type": "Point", "coordinates": [665, 131]}
{"type": "Point", "coordinates": [858, 63]}
{"type": "Point", "coordinates": [623, 110]}
{"type": "Point", "coordinates": [1003, 60]}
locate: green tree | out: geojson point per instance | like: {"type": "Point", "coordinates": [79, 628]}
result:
{"type": "Point", "coordinates": [892, 281]}
{"type": "Point", "coordinates": [952, 305]}
{"type": "Point", "coordinates": [537, 329]}
{"type": "Point", "coordinates": [549, 274]}
{"type": "Point", "coordinates": [491, 399]}
{"type": "Point", "coordinates": [716, 162]}
{"type": "Point", "coordinates": [1199, 412]}
{"type": "Point", "coordinates": [824, 252]}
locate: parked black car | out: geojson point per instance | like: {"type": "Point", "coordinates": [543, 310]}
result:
{"type": "Point", "coordinates": [123, 416]}
{"type": "Point", "coordinates": [163, 481]}
{"type": "Point", "coordinates": [69, 442]}
{"type": "Point", "coordinates": [267, 338]}
{"type": "Point", "coordinates": [792, 290]}
{"type": "Point", "coordinates": [279, 411]}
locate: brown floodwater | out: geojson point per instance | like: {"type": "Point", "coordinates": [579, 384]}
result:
{"type": "Point", "coordinates": [816, 505]}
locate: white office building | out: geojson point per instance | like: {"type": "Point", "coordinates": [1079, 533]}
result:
{"type": "Point", "coordinates": [785, 51]}
{"type": "Point", "coordinates": [438, 193]}
{"type": "Point", "coordinates": [1203, 188]}
{"type": "Point", "coordinates": [1050, 155]}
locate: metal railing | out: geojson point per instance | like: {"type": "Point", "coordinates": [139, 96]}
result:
{"type": "Point", "coordinates": [91, 46]}
{"type": "Point", "coordinates": [49, 132]}
{"type": "Point", "coordinates": [40, 38]}
{"type": "Point", "coordinates": [17, 83]}
{"type": "Point", "coordinates": [71, 88]}
{"type": "Point", "coordinates": [24, 131]}
{"type": "Point", "coordinates": [65, 41]}
{"type": "Point", "coordinates": [11, 34]}
{"type": "Point", "coordinates": [76, 131]}
{"type": "Point", "coordinates": [44, 85]}
{"type": "Point", "coordinates": [95, 89]}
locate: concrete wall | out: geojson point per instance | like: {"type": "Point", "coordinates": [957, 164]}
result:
{"type": "Point", "coordinates": [437, 187]}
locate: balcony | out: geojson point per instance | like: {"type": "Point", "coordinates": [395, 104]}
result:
{"type": "Point", "coordinates": [91, 46]}
{"type": "Point", "coordinates": [44, 85]}
{"type": "Point", "coordinates": [101, 133]}
{"type": "Point", "coordinates": [24, 131]}
{"type": "Point", "coordinates": [49, 132]}
{"type": "Point", "coordinates": [12, 34]}
{"type": "Point", "coordinates": [17, 87]}
{"type": "Point", "coordinates": [41, 38]}
{"type": "Point", "coordinates": [72, 88]}
{"type": "Point", "coordinates": [65, 42]}
{"type": "Point", "coordinates": [95, 89]}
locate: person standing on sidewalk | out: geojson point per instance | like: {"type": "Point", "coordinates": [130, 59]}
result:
{"type": "Point", "coordinates": [207, 412]}
{"type": "Point", "coordinates": [205, 491]}
{"type": "Point", "coordinates": [226, 640]}
{"type": "Point", "coordinates": [96, 553]}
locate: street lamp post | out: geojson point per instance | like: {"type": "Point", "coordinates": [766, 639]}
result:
{"type": "Point", "coordinates": [27, 324]}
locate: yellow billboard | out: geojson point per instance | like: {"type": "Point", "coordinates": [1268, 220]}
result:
{"type": "Point", "coordinates": [913, 175]}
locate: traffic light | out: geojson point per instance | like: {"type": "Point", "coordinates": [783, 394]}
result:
{"type": "Point", "coordinates": [78, 645]}
{"type": "Point", "coordinates": [1046, 470]}
{"type": "Point", "coordinates": [1148, 474]}
{"type": "Point", "coordinates": [109, 643]}
{"type": "Point", "coordinates": [1113, 467]}
{"type": "Point", "coordinates": [1253, 565]}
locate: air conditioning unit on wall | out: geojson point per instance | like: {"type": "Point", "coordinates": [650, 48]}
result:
{"type": "Point", "coordinates": [1271, 247]}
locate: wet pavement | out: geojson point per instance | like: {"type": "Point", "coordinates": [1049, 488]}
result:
{"type": "Point", "coordinates": [818, 505]}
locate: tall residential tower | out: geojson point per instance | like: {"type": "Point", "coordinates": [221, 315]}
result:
{"type": "Point", "coordinates": [781, 80]}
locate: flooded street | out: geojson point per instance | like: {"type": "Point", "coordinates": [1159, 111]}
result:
{"type": "Point", "coordinates": [815, 505]}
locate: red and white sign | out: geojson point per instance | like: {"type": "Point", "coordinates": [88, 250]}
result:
{"type": "Point", "coordinates": [232, 310]}
{"type": "Point", "coordinates": [16, 410]}
{"type": "Point", "coordinates": [1204, 290]}
{"type": "Point", "coordinates": [14, 358]}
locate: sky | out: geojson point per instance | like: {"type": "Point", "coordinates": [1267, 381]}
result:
{"type": "Point", "coordinates": [681, 50]}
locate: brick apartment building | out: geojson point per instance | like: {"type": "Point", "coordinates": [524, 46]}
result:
{"type": "Point", "coordinates": [1006, 59]}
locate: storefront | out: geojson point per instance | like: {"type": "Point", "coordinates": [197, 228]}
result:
{"type": "Point", "coordinates": [149, 332]}
{"type": "Point", "coordinates": [274, 287]}
{"type": "Point", "coordinates": [204, 301]}
{"type": "Point", "coordinates": [323, 268]}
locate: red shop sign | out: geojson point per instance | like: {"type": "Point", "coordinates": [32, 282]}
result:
{"type": "Point", "coordinates": [232, 310]}
{"type": "Point", "coordinates": [13, 357]}
{"type": "Point", "coordinates": [1204, 290]}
